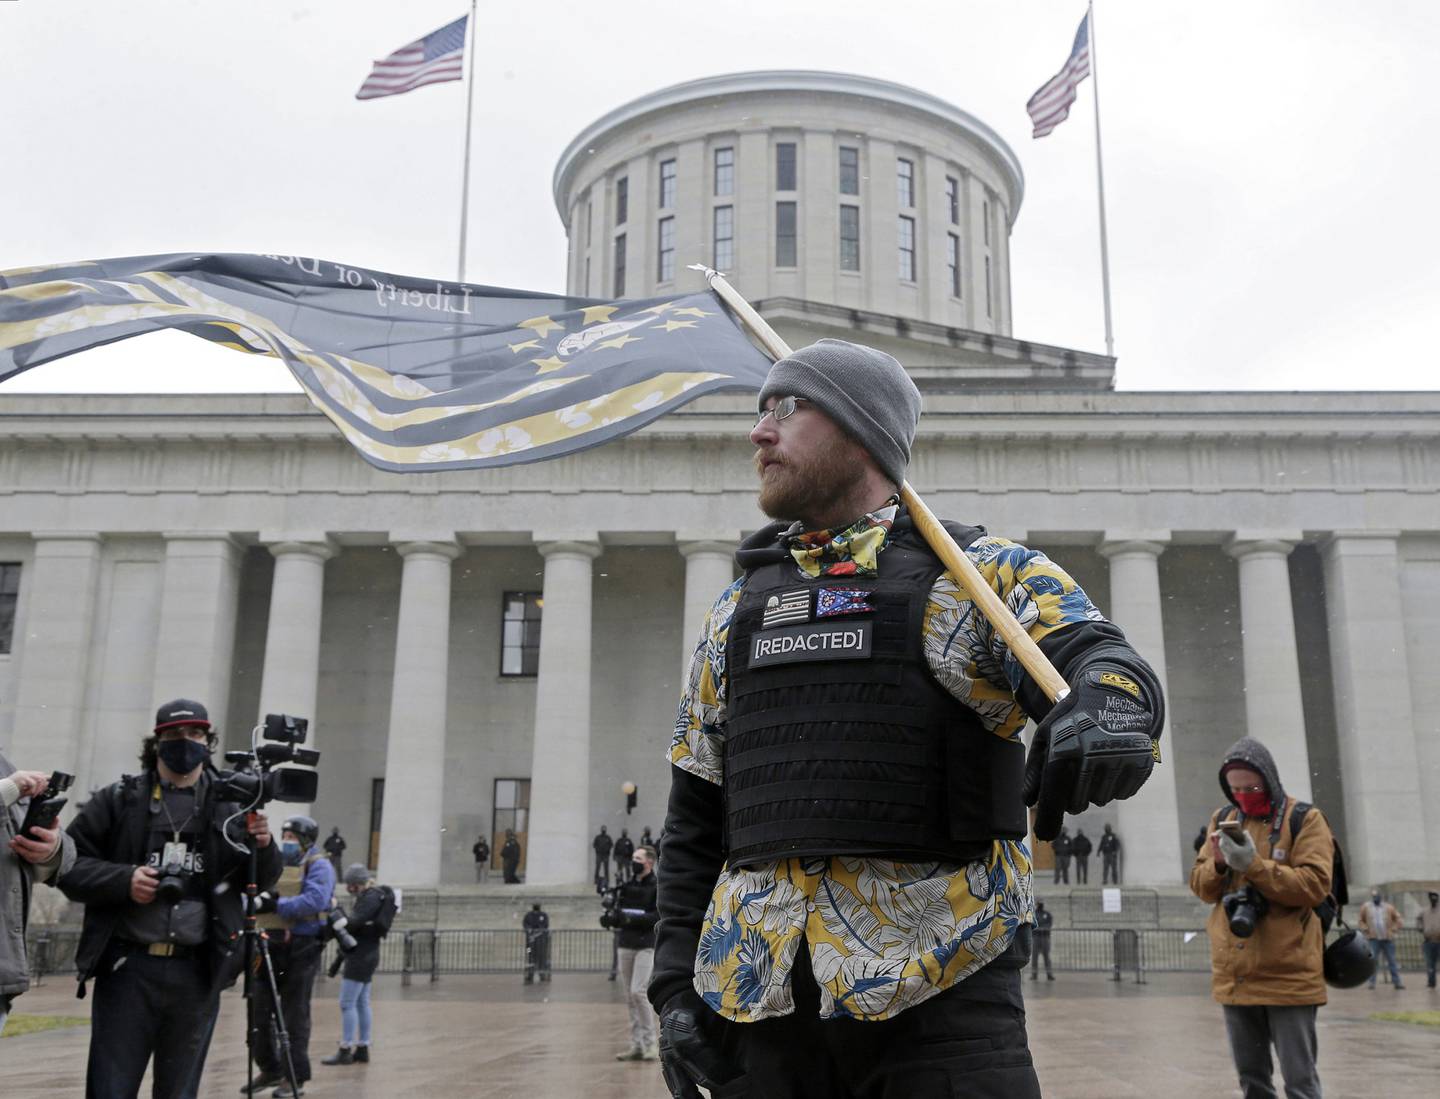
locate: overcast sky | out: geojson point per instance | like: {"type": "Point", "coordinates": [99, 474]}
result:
{"type": "Point", "coordinates": [1269, 164]}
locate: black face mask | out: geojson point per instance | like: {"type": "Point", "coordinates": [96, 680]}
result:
{"type": "Point", "coordinates": [182, 756]}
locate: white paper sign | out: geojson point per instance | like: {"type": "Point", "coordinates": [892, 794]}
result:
{"type": "Point", "coordinates": [1109, 900]}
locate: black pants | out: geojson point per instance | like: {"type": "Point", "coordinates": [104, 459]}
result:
{"type": "Point", "coordinates": [1082, 869]}
{"type": "Point", "coordinates": [949, 1047]}
{"type": "Point", "coordinates": [295, 964]}
{"type": "Point", "coordinates": [602, 868]}
{"type": "Point", "coordinates": [1109, 870]}
{"type": "Point", "coordinates": [146, 1006]}
{"type": "Point", "coordinates": [1062, 869]}
{"type": "Point", "coordinates": [1041, 949]}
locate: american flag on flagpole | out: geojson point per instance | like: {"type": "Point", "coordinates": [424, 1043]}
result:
{"type": "Point", "coordinates": [437, 57]}
{"type": "Point", "coordinates": [1050, 106]}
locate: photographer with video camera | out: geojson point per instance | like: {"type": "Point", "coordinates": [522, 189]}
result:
{"type": "Point", "coordinates": [358, 936]}
{"type": "Point", "coordinates": [161, 862]}
{"type": "Point", "coordinates": [293, 914]}
{"type": "Point", "coordinates": [1267, 867]}
{"type": "Point", "coordinates": [633, 914]}
{"type": "Point", "coordinates": [28, 855]}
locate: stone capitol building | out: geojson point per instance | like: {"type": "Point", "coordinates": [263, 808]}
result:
{"type": "Point", "coordinates": [503, 649]}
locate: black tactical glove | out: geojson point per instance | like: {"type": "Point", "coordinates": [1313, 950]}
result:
{"type": "Point", "coordinates": [608, 920]}
{"type": "Point", "coordinates": [265, 902]}
{"type": "Point", "coordinates": [689, 1052]}
{"type": "Point", "coordinates": [1096, 745]}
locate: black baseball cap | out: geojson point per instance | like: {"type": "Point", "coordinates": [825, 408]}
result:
{"type": "Point", "coordinates": [183, 711]}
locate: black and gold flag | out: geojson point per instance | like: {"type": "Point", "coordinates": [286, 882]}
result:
{"type": "Point", "coordinates": [416, 373]}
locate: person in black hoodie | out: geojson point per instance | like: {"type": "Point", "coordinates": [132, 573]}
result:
{"type": "Point", "coordinates": [369, 922]}
{"type": "Point", "coordinates": [633, 917]}
{"type": "Point", "coordinates": [160, 957]}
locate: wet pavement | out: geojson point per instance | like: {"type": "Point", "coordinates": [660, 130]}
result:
{"type": "Point", "coordinates": [492, 1036]}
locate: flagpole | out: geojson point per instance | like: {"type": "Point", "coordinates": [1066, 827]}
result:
{"type": "Point", "coordinates": [1100, 182]}
{"type": "Point", "coordinates": [961, 567]}
{"type": "Point", "coordinates": [465, 176]}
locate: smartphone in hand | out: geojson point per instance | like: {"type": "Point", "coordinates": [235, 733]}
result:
{"type": "Point", "coordinates": [45, 808]}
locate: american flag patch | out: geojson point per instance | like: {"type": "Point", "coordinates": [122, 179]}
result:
{"type": "Point", "coordinates": [833, 601]}
{"type": "Point", "coordinates": [786, 608]}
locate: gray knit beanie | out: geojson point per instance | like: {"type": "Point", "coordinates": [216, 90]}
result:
{"type": "Point", "coordinates": [865, 391]}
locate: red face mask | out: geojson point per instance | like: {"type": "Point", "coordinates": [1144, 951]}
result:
{"type": "Point", "coordinates": [1253, 804]}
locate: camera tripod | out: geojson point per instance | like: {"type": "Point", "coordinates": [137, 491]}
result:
{"type": "Point", "coordinates": [257, 945]}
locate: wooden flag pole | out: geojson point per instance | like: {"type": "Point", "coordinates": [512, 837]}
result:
{"type": "Point", "coordinates": [966, 574]}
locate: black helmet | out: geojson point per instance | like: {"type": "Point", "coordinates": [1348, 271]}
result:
{"type": "Point", "coordinates": [304, 827]}
{"type": "Point", "coordinates": [1348, 961]}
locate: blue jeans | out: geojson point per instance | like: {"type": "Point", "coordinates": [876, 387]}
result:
{"type": "Point", "coordinates": [354, 1011]}
{"type": "Point", "coordinates": [1432, 959]}
{"type": "Point", "coordinates": [1384, 950]}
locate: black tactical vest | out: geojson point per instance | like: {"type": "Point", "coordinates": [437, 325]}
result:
{"type": "Point", "coordinates": [839, 741]}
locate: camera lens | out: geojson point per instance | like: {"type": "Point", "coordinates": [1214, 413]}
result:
{"type": "Point", "coordinates": [170, 889]}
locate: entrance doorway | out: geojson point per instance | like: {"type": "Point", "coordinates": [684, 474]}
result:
{"type": "Point", "coordinates": [512, 811]}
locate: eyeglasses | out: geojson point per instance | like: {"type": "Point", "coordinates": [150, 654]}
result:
{"type": "Point", "coordinates": [784, 407]}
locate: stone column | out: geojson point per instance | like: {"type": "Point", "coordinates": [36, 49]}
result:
{"type": "Point", "coordinates": [289, 680]}
{"type": "Point", "coordinates": [195, 644]}
{"type": "Point", "coordinates": [709, 570]}
{"type": "Point", "coordinates": [59, 615]}
{"type": "Point", "coordinates": [1373, 715]}
{"type": "Point", "coordinates": [1274, 713]}
{"type": "Point", "coordinates": [1148, 823]}
{"type": "Point", "coordinates": [415, 747]}
{"type": "Point", "coordinates": [560, 774]}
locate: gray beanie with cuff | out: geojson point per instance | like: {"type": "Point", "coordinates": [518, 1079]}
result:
{"type": "Point", "coordinates": [865, 391]}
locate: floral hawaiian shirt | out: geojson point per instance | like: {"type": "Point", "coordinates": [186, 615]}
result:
{"type": "Point", "coordinates": [883, 936]}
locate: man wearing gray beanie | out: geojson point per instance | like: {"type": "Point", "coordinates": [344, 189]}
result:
{"type": "Point", "coordinates": [846, 904]}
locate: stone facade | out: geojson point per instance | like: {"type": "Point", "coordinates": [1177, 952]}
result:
{"type": "Point", "coordinates": [1277, 555]}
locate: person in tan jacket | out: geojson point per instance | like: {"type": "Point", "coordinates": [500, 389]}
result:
{"type": "Point", "coordinates": [1379, 922]}
{"type": "Point", "coordinates": [1429, 924]}
{"type": "Point", "coordinates": [1269, 978]}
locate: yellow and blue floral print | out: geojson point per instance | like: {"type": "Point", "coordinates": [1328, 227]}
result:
{"type": "Point", "coordinates": [883, 936]}
{"type": "Point", "coordinates": [848, 552]}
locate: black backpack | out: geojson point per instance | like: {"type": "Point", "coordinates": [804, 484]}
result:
{"type": "Point", "coordinates": [1339, 895]}
{"type": "Point", "coordinates": [386, 916]}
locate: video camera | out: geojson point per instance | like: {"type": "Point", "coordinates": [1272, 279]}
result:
{"type": "Point", "coordinates": [259, 778]}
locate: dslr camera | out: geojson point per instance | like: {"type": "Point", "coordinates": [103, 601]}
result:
{"type": "Point", "coordinates": [170, 889]}
{"type": "Point", "coordinates": [259, 778]}
{"type": "Point", "coordinates": [1244, 908]}
{"type": "Point", "coordinates": [609, 915]}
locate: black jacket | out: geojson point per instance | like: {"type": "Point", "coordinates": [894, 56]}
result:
{"type": "Point", "coordinates": [110, 834]}
{"type": "Point", "coordinates": [692, 839]}
{"type": "Point", "coordinates": [636, 932]}
{"type": "Point", "coordinates": [366, 925]}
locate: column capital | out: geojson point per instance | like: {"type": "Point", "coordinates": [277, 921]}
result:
{"type": "Point", "coordinates": [1246, 543]}
{"type": "Point", "coordinates": [691, 547]}
{"type": "Point", "coordinates": [429, 547]}
{"type": "Point", "coordinates": [570, 548]}
{"type": "Point", "coordinates": [321, 548]}
{"type": "Point", "coordinates": [1149, 543]}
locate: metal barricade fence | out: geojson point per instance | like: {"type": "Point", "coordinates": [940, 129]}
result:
{"type": "Point", "coordinates": [1174, 951]}
{"type": "Point", "coordinates": [1119, 951]}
